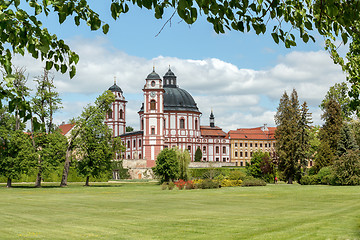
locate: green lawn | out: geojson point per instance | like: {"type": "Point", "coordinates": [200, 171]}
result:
{"type": "Point", "coordinates": [144, 211]}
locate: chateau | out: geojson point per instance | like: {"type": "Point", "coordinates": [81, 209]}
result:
{"type": "Point", "coordinates": [169, 117]}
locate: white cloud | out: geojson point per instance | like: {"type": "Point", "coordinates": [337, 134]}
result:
{"type": "Point", "coordinates": [236, 95]}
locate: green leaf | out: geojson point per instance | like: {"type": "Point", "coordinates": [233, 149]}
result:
{"type": "Point", "coordinates": [49, 65]}
{"type": "Point", "coordinates": [63, 68]}
{"type": "Point", "coordinates": [344, 37]}
{"type": "Point", "coordinates": [275, 37]}
{"type": "Point", "coordinates": [105, 28]}
{"type": "Point", "coordinates": [72, 71]}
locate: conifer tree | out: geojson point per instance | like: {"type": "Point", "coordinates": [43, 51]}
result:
{"type": "Point", "coordinates": [329, 134]}
{"type": "Point", "coordinates": [198, 155]}
{"type": "Point", "coordinates": [292, 139]}
{"type": "Point", "coordinates": [346, 141]}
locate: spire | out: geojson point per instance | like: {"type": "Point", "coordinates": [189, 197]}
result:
{"type": "Point", "coordinates": [212, 119]}
{"type": "Point", "coordinates": [115, 80]}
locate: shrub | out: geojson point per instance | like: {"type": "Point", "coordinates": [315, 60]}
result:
{"type": "Point", "coordinates": [164, 186]}
{"type": "Point", "coordinates": [237, 175]}
{"type": "Point", "coordinates": [180, 184]}
{"type": "Point", "coordinates": [231, 183]}
{"type": "Point", "coordinates": [309, 180]}
{"type": "Point", "coordinates": [171, 186]}
{"type": "Point", "coordinates": [208, 184]}
{"type": "Point", "coordinates": [253, 182]}
{"type": "Point", "coordinates": [190, 185]}
{"type": "Point", "coordinates": [347, 169]}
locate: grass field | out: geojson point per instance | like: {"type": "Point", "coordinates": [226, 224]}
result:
{"type": "Point", "coordinates": [144, 211]}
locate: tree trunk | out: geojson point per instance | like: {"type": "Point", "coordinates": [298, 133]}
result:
{"type": "Point", "coordinates": [290, 180]}
{"type": "Point", "coordinates": [66, 168]}
{"type": "Point", "coordinates": [39, 174]}
{"type": "Point", "coordinates": [87, 181]}
{"type": "Point", "coordinates": [8, 185]}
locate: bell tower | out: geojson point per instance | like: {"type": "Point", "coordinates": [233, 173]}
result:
{"type": "Point", "coordinates": [115, 118]}
{"type": "Point", "coordinates": [153, 118]}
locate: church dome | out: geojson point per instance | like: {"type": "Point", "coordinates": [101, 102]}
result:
{"type": "Point", "coordinates": [153, 75]}
{"type": "Point", "coordinates": [115, 88]}
{"type": "Point", "coordinates": [178, 99]}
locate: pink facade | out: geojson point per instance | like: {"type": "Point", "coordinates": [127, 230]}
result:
{"type": "Point", "coordinates": [169, 118]}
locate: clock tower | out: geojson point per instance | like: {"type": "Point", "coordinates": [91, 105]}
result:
{"type": "Point", "coordinates": [153, 118]}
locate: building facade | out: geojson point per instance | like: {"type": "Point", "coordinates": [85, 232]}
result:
{"type": "Point", "coordinates": [245, 141]}
{"type": "Point", "coordinates": [169, 117]}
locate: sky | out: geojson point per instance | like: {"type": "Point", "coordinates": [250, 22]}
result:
{"type": "Point", "coordinates": [240, 76]}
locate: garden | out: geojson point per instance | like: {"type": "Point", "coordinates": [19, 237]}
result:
{"type": "Point", "coordinates": [141, 210]}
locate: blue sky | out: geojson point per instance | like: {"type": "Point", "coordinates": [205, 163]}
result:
{"type": "Point", "coordinates": [241, 76]}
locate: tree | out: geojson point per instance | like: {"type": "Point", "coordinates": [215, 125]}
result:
{"type": "Point", "coordinates": [261, 166]}
{"type": "Point", "coordinates": [339, 93]}
{"type": "Point", "coordinates": [16, 153]}
{"type": "Point", "coordinates": [355, 128]}
{"type": "Point", "coordinates": [329, 134]}
{"type": "Point", "coordinates": [44, 104]}
{"type": "Point", "coordinates": [184, 159]}
{"type": "Point", "coordinates": [129, 129]}
{"type": "Point", "coordinates": [346, 140]}
{"type": "Point", "coordinates": [22, 31]}
{"type": "Point", "coordinates": [102, 105]}
{"type": "Point", "coordinates": [96, 147]}
{"type": "Point", "coordinates": [198, 155]}
{"type": "Point", "coordinates": [292, 140]}
{"type": "Point", "coordinates": [167, 165]}
{"type": "Point", "coordinates": [347, 168]}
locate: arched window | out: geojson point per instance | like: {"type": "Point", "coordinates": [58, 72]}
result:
{"type": "Point", "coordinates": [152, 105]}
{"type": "Point", "coordinates": [142, 124]}
{"type": "Point", "coordinates": [196, 124]}
{"type": "Point", "coordinates": [134, 143]}
{"type": "Point", "coordinates": [128, 144]}
{"type": "Point", "coordinates": [182, 123]}
{"type": "Point", "coordinates": [110, 114]}
{"type": "Point", "coordinates": [121, 114]}
{"type": "Point", "coordinates": [139, 155]}
{"type": "Point", "coordinates": [140, 143]}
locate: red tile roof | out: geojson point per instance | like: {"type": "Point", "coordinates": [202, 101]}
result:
{"type": "Point", "coordinates": [65, 128]}
{"type": "Point", "coordinates": [253, 133]}
{"type": "Point", "coordinates": [207, 131]}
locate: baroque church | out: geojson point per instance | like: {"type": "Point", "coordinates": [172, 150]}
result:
{"type": "Point", "coordinates": [169, 117]}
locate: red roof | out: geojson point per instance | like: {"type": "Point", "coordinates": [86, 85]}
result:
{"type": "Point", "coordinates": [207, 131]}
{"type": "Point", "coordinates": [253, 133]}
{"type": "Point", "coordinates": [65, 128]}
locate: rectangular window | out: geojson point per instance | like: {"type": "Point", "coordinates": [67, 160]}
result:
{"type": "Point", "coordinates": [255, 144]}
{"type": "Point", "coordinates": [217, 149]}
{"type": "Point", "coordinates": [260, 144]}
{"type": "Point", "coordinates": [217, 159]}
{"type": "Point", "coordinates": [139, 142]}
{"type": "Point", "coordinates": [240, 154]}
{"type": "Point", "coordinates": [240, 144]}
{"type": "Point", "coordinates": [250, 144]}
{"type": "Point", "coordinates": [245, 144]}
{"type": "Point", "coordinates": [224, 159]}
{"type": "Point", "coordinates": [134, 143]}
{"type": "Point", "coordinates": [265, 144]}
{"type": "Point", "coordinates": [235, 144]}
{"type": "Point", "coordinates": [251, 154]}
{"type": "Point", "coordinates": [224, 150]}
{"type": "Point", "coordinates": [204, 159]}
{"type": "Point", "coordinates": [246, 154]}
{"type": "Point", "coordinates": [241, 163]}
{"type": "Point", "coordinates": [165, 146]}
{"type": "Point", "coordinates": [153, 131]}
{"type": "Point", "coordinates": [236, 154]}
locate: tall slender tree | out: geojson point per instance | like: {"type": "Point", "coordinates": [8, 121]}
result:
{"type": "Point", "coordinates": [292, 141]}
{"type": "Point", "coordinates": [44, 104]}
{"type": "Point", "coordinates": [329, 134]}
{"type": "Point", "coordinates": [346, 140]}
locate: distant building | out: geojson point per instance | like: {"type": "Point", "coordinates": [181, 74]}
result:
{"type": "Point", "coordinates": [245, 141]}
{"type": "Point", "coordinates": [169, 117]}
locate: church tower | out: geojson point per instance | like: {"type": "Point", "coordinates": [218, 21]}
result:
{"type": "Point", "coordinates": [153, 118]}
{"type": "Point", "coordinates": [212, 119]}
{"type": "Point", "coordinates": [116, 118]}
